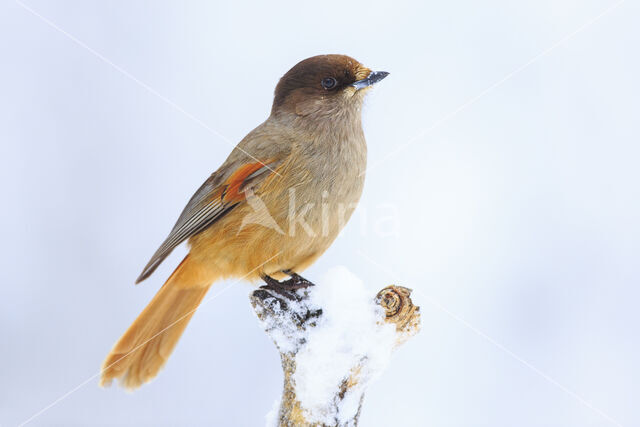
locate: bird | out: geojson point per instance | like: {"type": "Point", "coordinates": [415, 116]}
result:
{"type": "Point", "coordinates": [268, 212]}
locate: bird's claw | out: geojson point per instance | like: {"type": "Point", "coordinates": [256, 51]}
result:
{"type": "Point", "coordinates": [286, 287]}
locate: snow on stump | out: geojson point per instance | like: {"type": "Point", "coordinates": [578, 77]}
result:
{"type": "Point", "coordinates": [334, 339]}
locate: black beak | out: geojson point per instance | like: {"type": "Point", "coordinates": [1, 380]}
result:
{"type": "Point", "coordinates": [372, 78]}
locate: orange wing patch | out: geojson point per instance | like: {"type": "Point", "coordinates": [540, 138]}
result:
{"type": "Point", "coordinates": [233, 185]}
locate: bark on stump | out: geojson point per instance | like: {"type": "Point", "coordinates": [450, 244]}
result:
{"type": "Point", "coordinates": [290, 314]}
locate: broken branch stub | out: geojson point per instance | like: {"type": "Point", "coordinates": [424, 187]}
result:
{"type": "Point", "coordinates": [331, 353]}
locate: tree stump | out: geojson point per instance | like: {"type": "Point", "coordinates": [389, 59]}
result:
{"type": "Point", "coordinates": [334, 339]}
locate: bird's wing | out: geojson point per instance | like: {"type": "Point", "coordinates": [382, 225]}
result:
{"type": "Point", "coordinates": [211, 202]}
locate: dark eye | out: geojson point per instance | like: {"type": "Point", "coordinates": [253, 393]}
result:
{"type": "Point", "coordinates": [329, 83]}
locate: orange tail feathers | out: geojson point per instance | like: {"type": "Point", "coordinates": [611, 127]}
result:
{"type": "Point", "coordinates": [143, 350]}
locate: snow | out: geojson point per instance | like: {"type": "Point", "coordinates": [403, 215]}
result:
{"type": "Point", "coordinates": [271, 419]}
{"type": "Point", "coordinates": [349, 334]}
{"type": "Point", "coordinates": [281, 324]}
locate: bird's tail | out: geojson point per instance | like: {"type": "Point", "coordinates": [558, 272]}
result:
{"type": "Point", "coordinates": [144, 349]}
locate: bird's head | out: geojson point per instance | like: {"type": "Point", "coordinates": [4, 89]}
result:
{"type": "Point", "coordinates": [324, 86]}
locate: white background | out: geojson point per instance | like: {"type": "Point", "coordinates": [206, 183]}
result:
{"type": "Point", "coordinates": [514, 214]}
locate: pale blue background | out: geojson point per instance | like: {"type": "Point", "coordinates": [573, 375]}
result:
{"type": "Point", "coordinates": [519, 215]}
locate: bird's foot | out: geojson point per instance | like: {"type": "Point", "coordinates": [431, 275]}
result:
{"type": "Point", "coordinates": [288, 286]}
{"type": "Point", "coordinates": [296, 281]}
